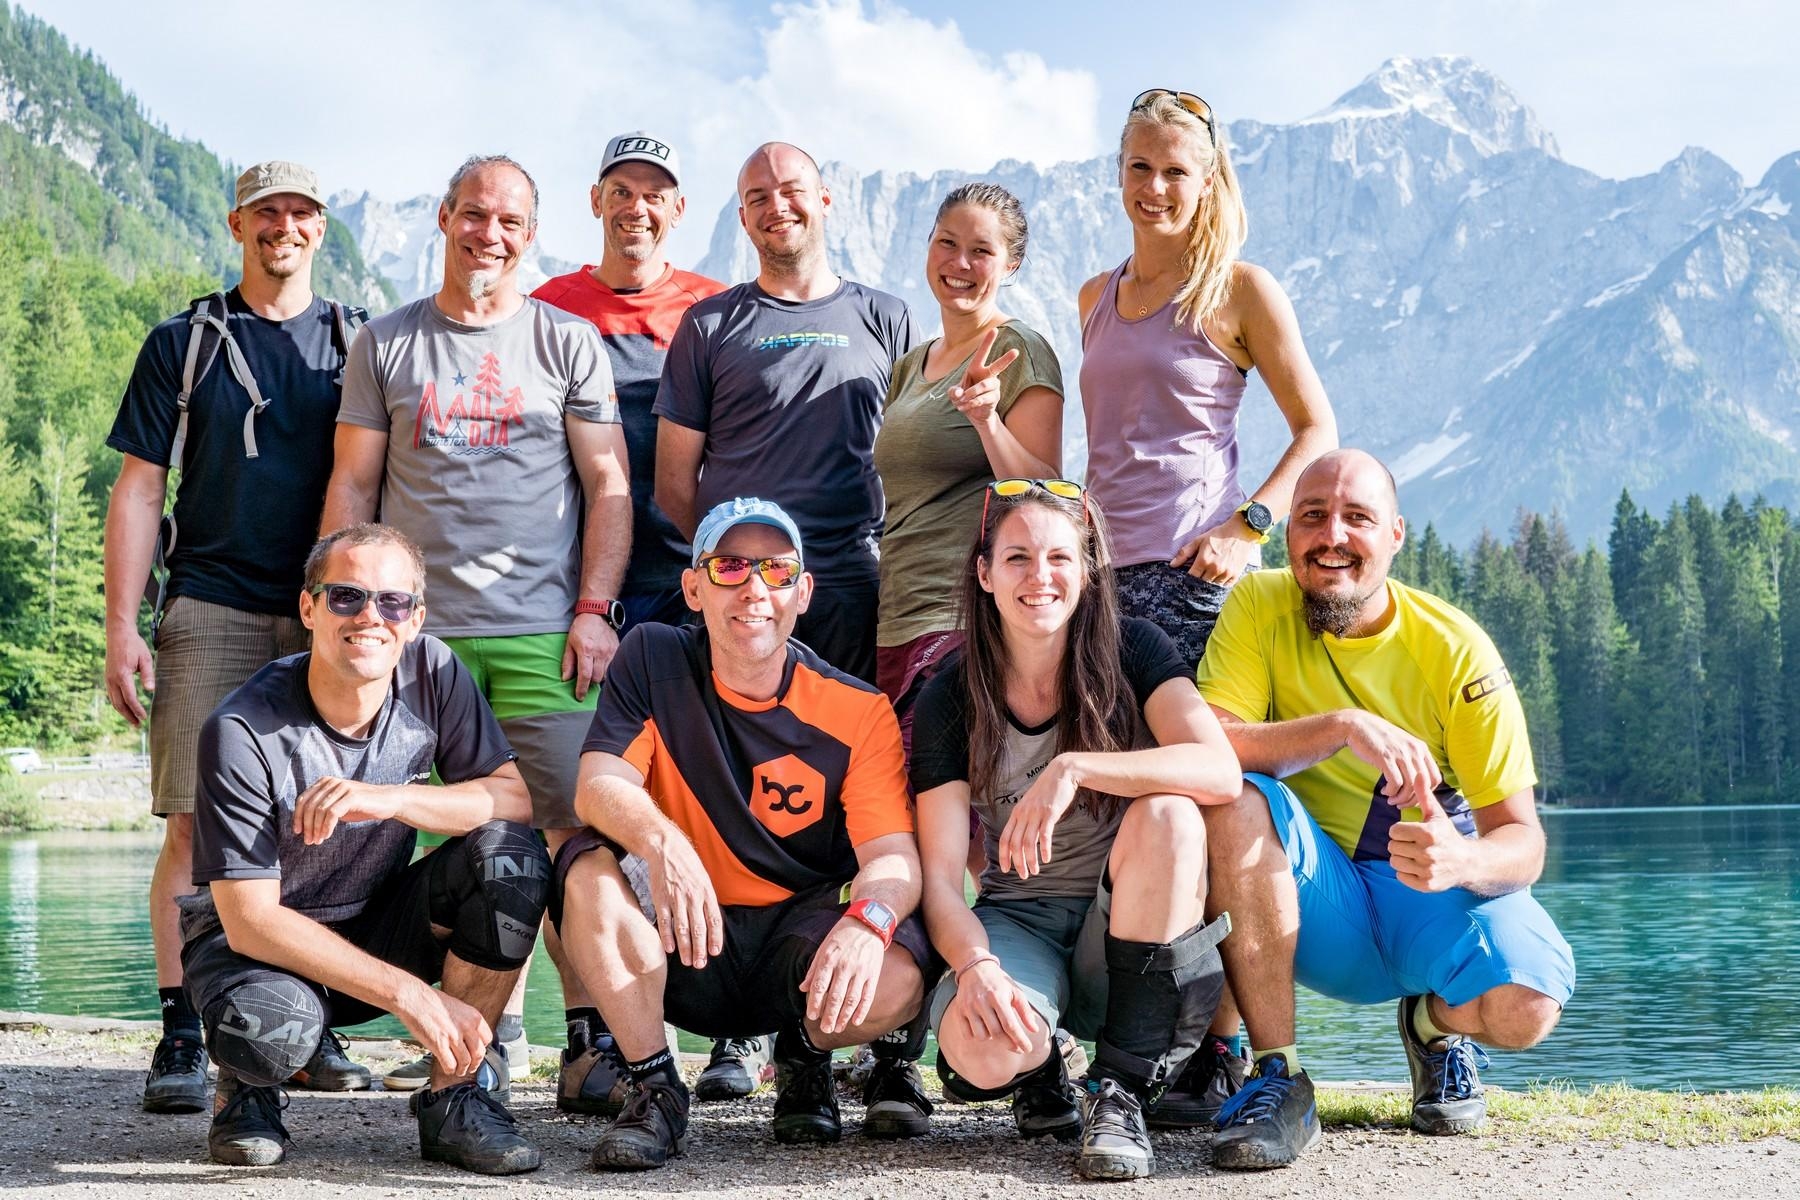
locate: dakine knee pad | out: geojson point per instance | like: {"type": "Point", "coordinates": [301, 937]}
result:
{"type": "Point", "coordinates": [265, 1029]}
{"type": "Point", "coordinates": [496, 888]}
{"type": "Point", "coordinates": [1161, 998]}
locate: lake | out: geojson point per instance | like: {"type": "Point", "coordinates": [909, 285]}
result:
{"type": "Point", "coordinates": [1685, 923]}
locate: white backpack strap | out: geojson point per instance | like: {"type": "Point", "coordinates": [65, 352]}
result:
{"type": "Point", "coordinates": [240, 370]}
{"type": "Point", "coordinates": [192, 371]}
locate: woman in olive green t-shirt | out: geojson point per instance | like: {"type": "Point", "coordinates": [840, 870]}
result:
{"type": "Point", "coordinates": [983, 401]}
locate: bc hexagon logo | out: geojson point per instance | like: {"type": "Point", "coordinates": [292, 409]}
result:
{"type": "Point", "coordinates": [787, 795]}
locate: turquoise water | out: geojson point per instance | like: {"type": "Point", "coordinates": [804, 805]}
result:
{"type": "Point", "coordinates": [1685, 924]}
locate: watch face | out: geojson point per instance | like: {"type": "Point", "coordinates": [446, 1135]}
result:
{"type": "Point", "coordinates": [1258, 517]}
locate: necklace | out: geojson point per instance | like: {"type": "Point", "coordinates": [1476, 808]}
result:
{"type": "Point", "coordinates": [1142, 290]}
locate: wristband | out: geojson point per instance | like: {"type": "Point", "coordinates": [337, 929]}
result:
{"type": "Point", "coordinates": [877, 916]}
{"type": "Point", "coordinates": [610, 611]}
{"type": "Point", "coordinates": [981, 956]}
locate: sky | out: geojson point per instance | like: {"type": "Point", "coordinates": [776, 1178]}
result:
{"type": "Point", "coordinates": [390, 96]}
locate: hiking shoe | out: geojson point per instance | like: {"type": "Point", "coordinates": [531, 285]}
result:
{"type": "Point", "coordinates": [1212, 1076]}
{"type": "Point", "coordinates": [177, 1079]}
{"type": "Point", "coordinates": [494, 1074]}
{"type": "Point", "coordinates": [593, 1080]}
{"type": "Point", "coordinates": [737, 1068]}
{"type": "Point", "coordinates": [409, 1076]}
{"type": "Point", "coordinates": [1114, 1142]}
{"type": "Point", "coordinates": [330, 1069]}
{"type": "Point", "coordinates": [467, 1126]}
{"type": "Point", "coordinates": [1046, 1105]}
{"type": "Point", "coordinates": [895, 1101]}
{"type": "Point", "coordinates": [1074, 1054]}
{"type": "Point", "coordinates": [518, 1054]}
{"type": "Point", "coordinates": [650, 1131]}
{"type": "Point", "coordinates": [1270, 1122]}
{"type": "Point", "coordinates": [1446, 1085]}
{"type": "Point", "coordinates": [247, 1130]}
{"type": "Point", "coordinates": [806, 1108]}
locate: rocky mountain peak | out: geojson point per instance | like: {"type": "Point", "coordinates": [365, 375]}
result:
{"type": "Point", "coordinates": [1449, 90]}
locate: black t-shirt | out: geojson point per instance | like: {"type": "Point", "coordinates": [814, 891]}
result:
{"type": "Point", "coordinates": [243, 525]}
{"type": "Point", "coordinates": [265, 744]}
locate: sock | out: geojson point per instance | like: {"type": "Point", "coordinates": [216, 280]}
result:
{"type": "Point", "coordinates": [660, 1065]}
{"type": "Point", "coordinates": [178, 1016]}
{"type": "Point", "coordinates": [510, 1028]}
{"type": "Point", "coordinates": [1235, 1043]}
{"type": "Point", "coordinates": [1290, 1052]}
{"type": "Point", "coordinates": [1423, 1025]}
{"type": "Point", "coordinates": [586, 1026]}
{"type": "Point", "coordinates": [907, 1043]}
{"type": "Point", "coordinates": [793, 1046]}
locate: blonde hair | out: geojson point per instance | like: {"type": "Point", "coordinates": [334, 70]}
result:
{"type": "Point", "coordinates": [1220, 223]}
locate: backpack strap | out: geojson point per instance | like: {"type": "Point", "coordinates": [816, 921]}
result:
{"type": "Point", "coordinates": [344, 324]}
{"type": "Point", "coordinates": [204, 332]}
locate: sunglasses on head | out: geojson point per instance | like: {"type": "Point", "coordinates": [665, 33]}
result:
{"type": "Point", "coordinates": [348, 600]}
{"type": "Point", "coordinates": [733, 570]}
{"type": "Point", "coordinates": [1068, 489]}
{"type": "Point", "coordinates": [1187, 100]}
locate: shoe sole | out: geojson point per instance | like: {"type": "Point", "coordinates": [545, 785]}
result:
{"type": "Point", "coordinates": [629, 1158]}
{"type": "Point", "coordinates": [724, 1089]}
{"type": "Point", "coordinates": [404, 1083]}
{"type": "Point", "coordinates": [335, 1083]}
{"type": "Point", "coordinates": [177, 1102]}
{"type": "Point", "coordinates": [1067, 1131]}
{"type": "Point", "coordinates": [1447, 1126]}
{"type": "Point", "coordinates": [807, 1133]}
{"type": "Point", "coordinates": [264, 1155]}
{"type": "Point", "coordinates": [1115, 1166]}
{"type": "Point", "coordinates": [891, 1128]}
{"type": "Point", "coordinates": [510, 1163]}
{"type": "Point", "coordinates": [1251, 1156]}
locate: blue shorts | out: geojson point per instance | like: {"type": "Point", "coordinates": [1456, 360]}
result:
{"type": "Point", "coordinates": [1366, 937]}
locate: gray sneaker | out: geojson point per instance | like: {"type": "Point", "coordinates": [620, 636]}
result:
{"type": "Point", "coordinates": [1114, 1142]}
{"type": "Point", "coordinates": [1446, 1083]}
{"type": "Point", "coordinates": [409, 1076]}
{"type": "Point", "coordinates": [467, 1126]}
{"type": "Point", "coordinates": [177, 1079]}
{"type": "Point", "coordinates": [738, 1068]}
{"type": "Point", "coordinates": [246, 1126]}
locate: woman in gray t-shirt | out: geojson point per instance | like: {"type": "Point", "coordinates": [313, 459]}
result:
{"type": "Point", "coordinates": [1087, 751]}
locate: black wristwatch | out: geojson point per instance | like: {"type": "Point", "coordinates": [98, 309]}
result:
{"type": "Point", "coordinates": [1258, 517]}
{"type": "Point", "coordinates": [610, 611]}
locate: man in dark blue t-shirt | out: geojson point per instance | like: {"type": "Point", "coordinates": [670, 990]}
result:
{"type": "Point", "coordinates": [775, 388]}
{"type": "Point", "coordinates": [253, 471]}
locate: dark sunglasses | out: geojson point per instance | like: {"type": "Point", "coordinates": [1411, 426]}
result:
{"type": "Point", "coordinates": [1068, 489]}
{"type": "Point", "coordinates": [348, 600]}
{"type": "Point", "coordinates": [732, 570]}
{"type": "Point", "coordinates": [1187, 100]}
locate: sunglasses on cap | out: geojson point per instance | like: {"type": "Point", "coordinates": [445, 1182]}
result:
{"type": "Point", "coordinates": [1068, 489]}
{"type": "Point", "coordinates": [348, 600]}
{"type": "Point", "coordinates": [1187, 100]}
{"type": "Point", "coordinates": [733, 570]}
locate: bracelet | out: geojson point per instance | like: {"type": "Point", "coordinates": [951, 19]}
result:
{"type": "Point", "coordinates": [981, 956]}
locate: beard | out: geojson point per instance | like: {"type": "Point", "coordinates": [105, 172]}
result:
{"type": "Point", "coordinates": [1334, 612]}
{"type": "Point", "coordinates": [483, 284]}
{"type": "Point", "coordinates": [281, 268]}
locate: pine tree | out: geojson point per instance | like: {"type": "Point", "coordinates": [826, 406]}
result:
{"type": "Point", "coordinates": [1628, 550]}
{"type": "Point", "coordinates": [1510, 606]}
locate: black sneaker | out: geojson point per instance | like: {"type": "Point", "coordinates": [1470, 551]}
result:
{"type": "Point", "coordinates": [1270, 1122]}
{"type": "Point", "coordinates": [330, 1069]}
{"type": "Point", "coordinates": [247, 1130]}
{"type": "Point", "coordinates": [895, 1101]}
{"type": "Point", "coordinates": [1446, 1084]}
{"type": "Point", "coordinates": [806, 1108]}
{"type": "Point", "coordinates": [1212, 1076]}
{"type": "Point", "coordinates": [650, 1131]}
{"type": "Point", "coordinates": [177, 1079]}
{"type": "Point", "coordinates": [1044, 1104]}
{"type": "Point", "coordinates": [593, 1080]}
{"type": "Point", "coordinates": [738, 1067]}
{"type": "Point", "coordinates": [466, 1126]}
{"type": "Point", "coordinates": [1114, 1142]}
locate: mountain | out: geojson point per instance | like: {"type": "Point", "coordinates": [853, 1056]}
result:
{"type": "Point", "coordinates": [1504, 328]}
{"type": "Point", "coordinates": [402, 243]}
{"type": "Point", "coordinates": [80, 160]}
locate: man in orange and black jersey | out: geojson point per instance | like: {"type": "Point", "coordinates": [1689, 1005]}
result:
{"type": "Point", "coordinates": [765, 791]}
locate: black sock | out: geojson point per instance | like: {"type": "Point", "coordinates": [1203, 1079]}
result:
{"type": "Point", "coordinates": [178, 1016]}
{"type": "Point", "coordinates": [586, 1026]}
{"type": "Point", "coordinates": [660, 1065]}
{"type": "Point", "coordinates": [794, 1047]}
{"type": "Point", "coordinates": [905, 1044]}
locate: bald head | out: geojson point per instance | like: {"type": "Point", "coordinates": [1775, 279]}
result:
{"type": "Point", "coordinates": [1343, 533]}
{"type": "Point", "coordinates": [782, 204]}
{"type": "Point", "coordinates": [778, 162]}
{"type": "Point", "coordinates": [1350, 472]}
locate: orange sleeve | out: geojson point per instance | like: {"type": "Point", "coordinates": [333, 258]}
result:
{"type": "Point", "coordinates": [874, 791]}
{"type": "Point", "coordinates": [641, 753]}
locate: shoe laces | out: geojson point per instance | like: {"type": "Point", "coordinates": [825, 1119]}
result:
{"type": "Point", "coordinates": [807, 1084]}
{"type": "Point", "coordinates": [1113, 1109]}
{"type": "Point", "coordinates": [649, 1097]}
{"type": "Point", "coordinates": [734, 1048]}
{"type": "Point", "coordinates": [893, 1079]}
{"type": "Point", "coordinates": [1456, 1065]}
{"type": "Point", "coordinates": [260, 1104]}
{"type": "Point", "coordinates": [178, 1056]}
{"type": "Point", "coordinates": [1258, 1100]}
{"type": "Point", "coordinates": [474, 1107]}
{"type": "Point", "coordinates": [332, 1043]}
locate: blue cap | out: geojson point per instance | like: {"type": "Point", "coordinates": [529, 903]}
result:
{"type": "Point", "coordinates": [746, 510]}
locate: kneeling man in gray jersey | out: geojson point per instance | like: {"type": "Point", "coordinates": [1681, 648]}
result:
{"type": "Point", "coordinates": [313, 783]}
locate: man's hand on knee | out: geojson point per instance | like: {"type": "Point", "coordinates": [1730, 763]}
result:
{"type": "Point", "coordinates": [840, 985]}
{"type": "Point", "coordinates": [687, 907]}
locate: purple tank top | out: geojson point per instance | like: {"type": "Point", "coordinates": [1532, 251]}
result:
{"type": "Point", "coordinates": [1162, 410]}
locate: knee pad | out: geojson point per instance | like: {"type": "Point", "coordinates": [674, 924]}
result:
{"type": "Point", "coordinates": [492, 894]}
{"type": "Point", "coordinates": [265, 1029]}
{"type": "Point", "coordinates": [1161, 998]}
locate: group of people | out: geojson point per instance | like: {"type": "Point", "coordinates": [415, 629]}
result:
{"type": "Point", "coordinates": [760, 633]}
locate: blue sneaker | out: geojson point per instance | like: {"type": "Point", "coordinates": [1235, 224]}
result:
{"type": "Point", "coordinates": [1270, 1122]}
{"type": "Point", "coordinates": [1446, 1081]}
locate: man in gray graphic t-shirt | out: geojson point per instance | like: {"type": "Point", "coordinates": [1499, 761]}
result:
{"type": "Point", "coordinates": [313, 780]}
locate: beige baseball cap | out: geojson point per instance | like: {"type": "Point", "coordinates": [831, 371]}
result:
{"type": "Point", "coordinates": [278, 175]}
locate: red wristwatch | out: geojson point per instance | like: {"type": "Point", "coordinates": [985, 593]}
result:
{"type": "Point", "coordinates": [610, 611]}
{"type": "Point", "coordinates": [876, 916]}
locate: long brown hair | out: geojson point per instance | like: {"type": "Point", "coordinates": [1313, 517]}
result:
{"type": "Point", "coordinates": [1096, 710]}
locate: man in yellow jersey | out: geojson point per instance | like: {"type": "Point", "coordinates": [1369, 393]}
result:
{"type": "Point", "coordinates": [1386, 845]}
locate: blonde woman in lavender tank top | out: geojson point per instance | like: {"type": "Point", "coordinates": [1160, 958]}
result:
{"type": "Point", "coordinates": [1169, 338]}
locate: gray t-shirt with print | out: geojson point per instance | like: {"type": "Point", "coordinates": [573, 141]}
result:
{"type": "Point", "coordinates": [478, 465]}
{"type": "Point", "coordinates": [266, 744]}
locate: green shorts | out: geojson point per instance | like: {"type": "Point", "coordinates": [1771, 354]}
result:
{"type": "Point", "coordinates": [1054, 947]}
{"type": "Point", "coordinates": [521, 676]}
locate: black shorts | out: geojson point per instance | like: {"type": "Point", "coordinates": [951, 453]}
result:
{"type": "Point", "coordinates": [753, 987]}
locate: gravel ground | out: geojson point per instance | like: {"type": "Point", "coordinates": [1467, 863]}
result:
{"type": "Point", "coordinates": [70, 1125]}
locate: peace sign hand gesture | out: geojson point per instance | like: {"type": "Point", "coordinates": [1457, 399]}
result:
{"type": "Point", "coordinates": [977, 397]}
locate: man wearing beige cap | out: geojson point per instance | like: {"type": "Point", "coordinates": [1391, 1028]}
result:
{"type": "Point", "coordinates": [240, 394]}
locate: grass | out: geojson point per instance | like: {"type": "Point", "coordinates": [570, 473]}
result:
{"type": "Point", "coordinates": [20, 809]}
